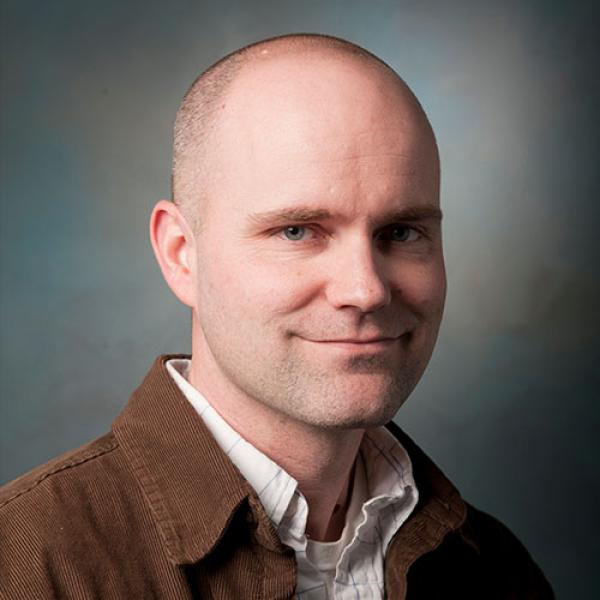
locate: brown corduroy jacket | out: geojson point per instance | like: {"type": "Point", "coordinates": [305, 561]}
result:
{"type": "Point", "coordinates": [155, 509]}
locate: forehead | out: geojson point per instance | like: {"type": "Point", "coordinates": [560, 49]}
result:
{"type": "Point", "coordinates": [310, 129]}
{"type": "Point", "coordinates": [303, 96]}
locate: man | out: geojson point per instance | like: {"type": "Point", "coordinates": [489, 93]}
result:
{"type": "Point", "coordinates": [305, 236]}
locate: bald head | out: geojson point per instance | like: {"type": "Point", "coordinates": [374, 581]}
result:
{"type": "Point", "coordinates": [256, 83]}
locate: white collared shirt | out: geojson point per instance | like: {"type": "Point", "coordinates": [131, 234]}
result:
{"type": "Point", "coordinates": [383, 496]}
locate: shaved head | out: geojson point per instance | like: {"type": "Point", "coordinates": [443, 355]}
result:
{"type": "Point", "coordinates": [196, 139]}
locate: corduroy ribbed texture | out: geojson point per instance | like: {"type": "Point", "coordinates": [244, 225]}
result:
{"type": "Point", "coordinates": [155, 509]}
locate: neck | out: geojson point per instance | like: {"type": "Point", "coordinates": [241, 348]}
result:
{"type": "Point", "coordinates": [323, 465]}
{"type": "Point", "coordinates": [328, 492]}
{"type": "Point", "coordinates": [320, 460]}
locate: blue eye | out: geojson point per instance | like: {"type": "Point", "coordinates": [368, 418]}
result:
{"type": "Point", "coordinates": [294, 232]}
{"type": "Point", "coordinates": [399, 233]}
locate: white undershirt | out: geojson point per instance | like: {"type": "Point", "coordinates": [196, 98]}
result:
{"type": "Point", "coordinates": [383, 496]}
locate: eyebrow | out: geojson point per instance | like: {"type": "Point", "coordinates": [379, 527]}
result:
{"type": "Point", "coordinates": [307, 215]}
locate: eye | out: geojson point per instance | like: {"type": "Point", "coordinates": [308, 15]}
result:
{"type": "Point", "coordinates": [399, 233]}
{"type": "Point", "coordinates": [294, 233]}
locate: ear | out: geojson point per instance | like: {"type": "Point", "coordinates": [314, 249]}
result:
{"type": "Point", "coordinates": [174, 246]}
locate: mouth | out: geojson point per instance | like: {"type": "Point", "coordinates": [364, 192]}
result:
{"type": "Point", "coordinates": [374, 340]}
{"type": "Point", "coordinates": [359, 345]}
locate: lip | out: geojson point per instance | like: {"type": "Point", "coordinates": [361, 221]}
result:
{"type": "Point", "coordinates": [375, 340]}
{"type": "Point", "coordinates": [375, 344]}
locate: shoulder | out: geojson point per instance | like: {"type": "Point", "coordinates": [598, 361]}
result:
{"type": "Point", "coordinates": [502, 557]}
{"type": "Point", "coordinates": [480, 559]}
{"type": "Point", "coordinates": [490, 535]}
{"type": "Point", "coordinates": [43, 480]}
{"type": "Point", "coordinates": [53, 518]}
{"type": "Point", "coordinates": [57, 490]}
{"type": "Point", "coordinates": [62, 493]}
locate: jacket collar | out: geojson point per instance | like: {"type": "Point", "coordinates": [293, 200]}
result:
{"type": "Point", "coordinates": [440, 509]}
{"type": "Point", "coordinates": [192, 488]}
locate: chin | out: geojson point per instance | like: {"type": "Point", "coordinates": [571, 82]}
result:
{"type": "Point", "coordinates": [364, 412]}
{"type": "Point", "coordinates": [348, 422]}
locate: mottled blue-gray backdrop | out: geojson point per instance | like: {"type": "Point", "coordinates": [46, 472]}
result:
{"type": "Point", "coordinates": [509, 406]}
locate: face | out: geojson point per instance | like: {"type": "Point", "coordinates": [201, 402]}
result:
{"type": "Point", "coordinates": [320, 276]}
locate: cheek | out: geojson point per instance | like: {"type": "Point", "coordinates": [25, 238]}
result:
{"type": "Point", "coordinates": [423, 287]}
{"type": "Point", "coordinates": [251, 287]}
{"type": "Point", "coordinates": [283, 289]}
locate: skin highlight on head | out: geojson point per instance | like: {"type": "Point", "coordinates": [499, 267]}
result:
{"type": "Point", "coordinates": [316, 277]}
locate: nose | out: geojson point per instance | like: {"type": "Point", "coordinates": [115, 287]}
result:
{"type": "Point", "coordinates": [356, 281]}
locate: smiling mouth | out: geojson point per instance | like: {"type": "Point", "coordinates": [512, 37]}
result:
{"type": "Point", "coordinates": [358, 341]}
{"type": "Point", "coordinates": [374, 344]}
